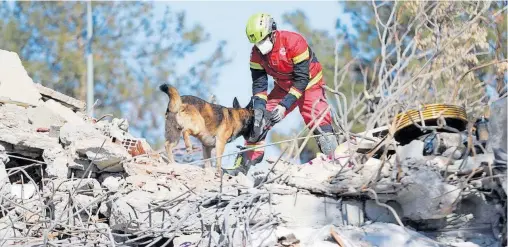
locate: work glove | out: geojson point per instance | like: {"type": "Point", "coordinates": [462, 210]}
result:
{"type": "Point", "coordinates": [259, 125]}
{"type": "Point", "coordinates": [278, 114]}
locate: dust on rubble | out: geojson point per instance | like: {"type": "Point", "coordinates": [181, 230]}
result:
{"type": "Point", "coordinates": [66, 178]}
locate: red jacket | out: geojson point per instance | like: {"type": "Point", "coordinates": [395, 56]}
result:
{"type": "Point", "coordinates": [292, 64]}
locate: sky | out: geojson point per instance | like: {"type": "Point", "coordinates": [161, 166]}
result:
{"type": "Point", "coordinates": [225, 20]}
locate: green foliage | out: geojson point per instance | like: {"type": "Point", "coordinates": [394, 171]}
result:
{"type": "Point", "coordinates": [133, 52]}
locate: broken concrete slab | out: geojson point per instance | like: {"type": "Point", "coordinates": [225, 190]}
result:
{"type": "Point", "coordinates": [352, 212]}
{"type": "Point", "coordinates": [425, 195]}
{"type": "Point", "coordinates": [28, 142]}
{"type": "Point", "coordinates": [377, 213]}
{"type": "Point", "coordinates": [411, 151]}
{"type": "Point", "coordinates": [67, 114]}
{"type": "Point", "coordinates": [51, 113]}
{"type": "Point", "coordinates": [87, 140]}
{"type": "Point", "coordinates": [23, 191]}
{"type": "Point", "coordinates": [88, 185]}
{"type": "Point", "coordinates": [307, 210]}
{"type": "Point", "coordinates": [15, 83]}
{"type": "Point", "coordinates": [75, 132]}
{"type": "Point", "coordinates": [61, 98]}
{"type": "Point", "coordinates": [57, 162]}
{"type": "Point", "coordinates": [111, 183]}
{"type": "Point", "coordinates": [15, 129]}
{"type": "Point", "coordinates": [126, 212]}
{"type": "Point", "coordinates": [105, 154]}
{"type": "Point", "coordinates": [43, 117]}
{"type": "Point", "coordinates": [384, 235]}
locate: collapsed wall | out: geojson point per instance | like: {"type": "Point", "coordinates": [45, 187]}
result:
{"type": "Point", "coordinates": [66, 178]}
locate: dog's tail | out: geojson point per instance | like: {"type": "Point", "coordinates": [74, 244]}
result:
{"type": "Point", "coordinates": [175, 102]}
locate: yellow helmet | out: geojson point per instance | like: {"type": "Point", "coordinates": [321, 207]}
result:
{"type": "Point", "coordinates": [259, 26]}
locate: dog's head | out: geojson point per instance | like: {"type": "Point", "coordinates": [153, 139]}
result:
{"type": "Point", "coordinates": [248, 117]}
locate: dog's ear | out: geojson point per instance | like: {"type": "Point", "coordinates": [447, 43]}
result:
{"type": "Point", "coordinates": [236, 104]}
{"type": "Point", "coordinates": [249, 106]}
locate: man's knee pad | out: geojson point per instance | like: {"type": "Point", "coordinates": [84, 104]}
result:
{"type": "Point", "coordinates": [327, 141]}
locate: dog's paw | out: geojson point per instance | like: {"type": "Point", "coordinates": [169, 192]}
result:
{"type": "Point", "coordinates": [218, 174]}
{"type": "Point", "coordinates": [189, 150]}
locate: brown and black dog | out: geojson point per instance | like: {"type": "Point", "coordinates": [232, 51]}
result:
{"type": "Point", "coordinates": [214, 125]}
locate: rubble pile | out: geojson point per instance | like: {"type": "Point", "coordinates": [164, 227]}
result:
{"type": "Point", "coordinates": [68, 179]}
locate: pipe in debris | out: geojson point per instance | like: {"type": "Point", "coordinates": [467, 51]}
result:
{"type": "Point", "coordinates": [89, 61]}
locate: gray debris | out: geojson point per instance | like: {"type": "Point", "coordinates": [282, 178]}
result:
{"type": "Point", "coordinates": [377, 213]}
{"type": "Point", "coordinates": [5, 187]}
{"type": "Point", "coordinates": [87, 140]}
{"type": "Point", "coordinates": [57, 161]}
{"type": "Point", "coordinates": [88, 177]}
{"type": "Point", "coordinates": [411, 151]}
{"type": "Point", "coordinates": [3, 154]}
{"type": "Point", "coordinates": [425, 195]}
{"type": "Point", "coordinates": [106, 157]}
{"type": "Point", "coordinates": [307, 210]}
{"type": "Point", "coordinates": [15, 84]}
{"type": "Point", "coordinates": [111, 183]}
{"type": "Point", "coordinates": [23, 191]}
{"type": "Point", "coordinates": [16, 130]}
{"type": "Point", "coordinates": [71, 133]}
{"type": "Point", "coordinates": [352, 212]}
{"type": "Point", "coordinates": [187, 240]}
{"type": "Point", "coordinates": [43, 117]}
{"type": "Point", "coordinates": [67, 101]}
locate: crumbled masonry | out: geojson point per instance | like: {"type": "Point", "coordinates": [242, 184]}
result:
{"type": "Point", "coordinates": [67, 179]}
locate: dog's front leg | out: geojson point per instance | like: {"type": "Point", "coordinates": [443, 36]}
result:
{"type": "Point", "coordinates": [207, 154]}
{"type": "Point", "coordinates": [220, 144]}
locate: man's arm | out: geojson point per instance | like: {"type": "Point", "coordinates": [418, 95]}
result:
{"type": "Point", "coordinates": [259, 84]}
{"type": "Point", "coordinates": [299, 53]}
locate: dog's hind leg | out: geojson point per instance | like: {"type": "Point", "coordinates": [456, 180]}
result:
{"type": "Point", "coordinates": [207, 154]}
{"type": "Point", "coordinates": [186, 139]}
{"type": "Point", "coordinates": [169, 151]}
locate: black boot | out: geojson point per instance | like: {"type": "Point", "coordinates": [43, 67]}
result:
{"type": "Point", "coordinates": [327, 141]}
{"type": "Point", "coordinates": [242, 164]}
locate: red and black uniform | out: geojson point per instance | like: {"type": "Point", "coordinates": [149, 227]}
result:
{"type": "Point", "coordinates": [298, 78]}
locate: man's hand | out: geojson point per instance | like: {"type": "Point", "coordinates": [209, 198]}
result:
{"type": "Point", "coordinates": [259, 125]}
{"type": "Point", "coordinates": [278, 114]}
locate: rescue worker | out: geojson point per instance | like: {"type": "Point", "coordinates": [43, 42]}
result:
{"type": "Point", "coordinates": [298, 77]}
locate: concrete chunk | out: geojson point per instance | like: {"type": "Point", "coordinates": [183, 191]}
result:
{"type": "Point", "coordinates": [15, 83]}
{"type": "Point", "coordinates": [67, 101]}
{"type": "Point", "coordinates": [426, 196]}
{"type": "Point", "coordinates": [23, 191]}
{"type": "Point", "coordinates": [106, 157]}
{"type": "Point", "coordinates": [15, 129]}
{"type": "Point", "coordinates": [57, 161]}
{"type": "Point", "coordinates": [411, 151]}
{"type": "Point", "coordinates": [307, 210]}
{"type": "Point", "coordinates": [52, 113]}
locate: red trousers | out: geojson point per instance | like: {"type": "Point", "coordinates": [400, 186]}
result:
{"type": "Point", "coordinates": [312, 105]}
